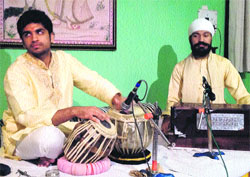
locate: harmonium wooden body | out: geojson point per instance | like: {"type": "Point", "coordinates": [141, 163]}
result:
{"type": "Point", "coordinates": [230, 126]}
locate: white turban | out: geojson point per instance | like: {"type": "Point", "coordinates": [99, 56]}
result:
{"type": "Point", "coordinates": [201, 24]}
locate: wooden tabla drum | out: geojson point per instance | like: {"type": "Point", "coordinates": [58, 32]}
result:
{"type": "Point", "coordinates": [128, 149]}
{"type": "Point", "coordinates": [90, 141]}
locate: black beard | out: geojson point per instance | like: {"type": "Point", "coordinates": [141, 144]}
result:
{"type": "Point", "coordinates": [199, 52]}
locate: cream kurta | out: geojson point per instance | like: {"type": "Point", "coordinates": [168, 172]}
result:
{"type": "Point", "coordinates": [35, 92]}
{"type": "Point", "coordinates": [186, 81]}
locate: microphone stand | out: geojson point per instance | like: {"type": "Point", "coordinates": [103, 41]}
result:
{"type": "Point", "coordinates": [155, 125]}
{"type": "Point", "coordinates": [156, 114]}
{"type": "Point", "coordinates": [157, 131]}
{"type": "Point", "coordinates": [207, 114]}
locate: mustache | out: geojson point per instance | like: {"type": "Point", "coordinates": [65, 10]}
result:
{"type": "Point", "coordinates": [201, 43]}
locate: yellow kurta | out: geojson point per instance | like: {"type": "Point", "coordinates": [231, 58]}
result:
{"type": "Point", "coordinates": [35, 92]}
{"type": "Point", "coordinates": [186, 81]}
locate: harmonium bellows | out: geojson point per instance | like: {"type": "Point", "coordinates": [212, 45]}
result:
{"type": "Point", "coordinates": [230, 125]}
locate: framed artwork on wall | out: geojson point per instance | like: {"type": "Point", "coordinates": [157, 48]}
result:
{"type": "Point", "coordinates": [77, 24]}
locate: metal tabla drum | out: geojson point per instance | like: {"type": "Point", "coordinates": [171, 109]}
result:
{"type": "Point", "coordinates": [90, 141]}
{"type": "Point", "coordinates": [128, 148]}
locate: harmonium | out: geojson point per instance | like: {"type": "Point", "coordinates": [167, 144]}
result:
{"type": "Point", "coordinates": [229, 123]}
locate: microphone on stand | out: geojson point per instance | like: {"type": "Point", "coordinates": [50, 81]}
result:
{"type": "Point", "coordinates": [126, 104]}
{"type": "Point", "coordinates": [208, 89]}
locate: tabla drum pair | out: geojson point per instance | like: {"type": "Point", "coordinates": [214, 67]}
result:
{"type": "Point", "coordinates": [87, 148]}
{"type": "Point", "coordinates": [91, 143]}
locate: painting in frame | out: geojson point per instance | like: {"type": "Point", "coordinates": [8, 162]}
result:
{"type": "Point", "coordinates": [77, 24]}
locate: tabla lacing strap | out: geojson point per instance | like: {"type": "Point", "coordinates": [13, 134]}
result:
{"type": "Point", "coordinates": [83, 147]}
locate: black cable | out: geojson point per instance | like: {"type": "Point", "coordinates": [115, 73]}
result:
{"type": "Point", "coordinates": [143, 149]}
{"type": "Point", "coordinates": [146, 91]}
{"type": "Point", "coordinates": [210, 129]}
{"type": "Point", "coordinates": [220, 40]}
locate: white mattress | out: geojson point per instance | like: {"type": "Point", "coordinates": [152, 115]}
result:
{"type": "Point", "coordinates": [177, 161]}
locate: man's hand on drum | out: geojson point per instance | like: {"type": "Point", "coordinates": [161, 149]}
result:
{"type": "Point", "coordinates": [90, 112]}
{"type": "Point", "coordinates": [117, 101]}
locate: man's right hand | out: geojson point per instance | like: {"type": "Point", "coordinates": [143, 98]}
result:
{"type": "Point", "coordinates": [88, 112]}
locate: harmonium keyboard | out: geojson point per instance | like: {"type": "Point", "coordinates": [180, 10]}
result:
{"type": "Point", "coordinates": [229, 123]}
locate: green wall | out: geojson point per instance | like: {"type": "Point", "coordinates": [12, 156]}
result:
{"type": "Point", "coordinates": [151, 38]}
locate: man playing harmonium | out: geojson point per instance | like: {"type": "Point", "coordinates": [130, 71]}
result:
{"type": "Point", "coordinates": [186, 80]}
{"type": "Point", "coordinates": [39, 91]}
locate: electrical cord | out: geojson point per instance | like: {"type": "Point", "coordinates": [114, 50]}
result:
{"type": "Point", "coordinates": [217, 146]}
{"type": "Point", "coordinates": [137, 127]}
{"type": "Point", "coordinates": [220, 40]}
{"type": "Point", "coordinates": [206, 100]}
{"type": "Point", "coordinates": [210, 129]}
{"type": "Point", "coordinates": [146, 91]}
{"type": "Point", "coordinates": [140, 136]}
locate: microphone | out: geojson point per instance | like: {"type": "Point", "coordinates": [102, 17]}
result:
{"type": "Point", "coordinates": [208, 89]}
{"type": "Point", "coordinates": [126, 104]}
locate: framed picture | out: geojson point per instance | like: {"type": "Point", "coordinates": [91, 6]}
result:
{"type": "Point", "coordinates": [77, 24]}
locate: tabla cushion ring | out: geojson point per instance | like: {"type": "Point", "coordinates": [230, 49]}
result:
{"type": "Point", "coordinates": [80, 169]}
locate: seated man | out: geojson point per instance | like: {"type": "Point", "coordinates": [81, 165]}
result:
{"type": "Point", "coordinates": [186, 80]}
{"type": "Point", "coordinates": [39, 91]}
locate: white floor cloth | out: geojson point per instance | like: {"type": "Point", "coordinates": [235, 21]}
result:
{"type": "Point", "coordinates": [177, 161]}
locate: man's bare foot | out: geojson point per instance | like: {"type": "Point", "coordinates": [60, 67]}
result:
{"type": "Point", "coordinates": [45, 162]}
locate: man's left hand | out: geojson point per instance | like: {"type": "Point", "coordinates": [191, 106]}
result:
{"type": "Point", "coordinates": [117, 101]}
{"type": "Point", "coordinates": [165, 127]}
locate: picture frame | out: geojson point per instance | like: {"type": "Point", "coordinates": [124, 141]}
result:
{"type": "Point", "coordinates": [84, 24]}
